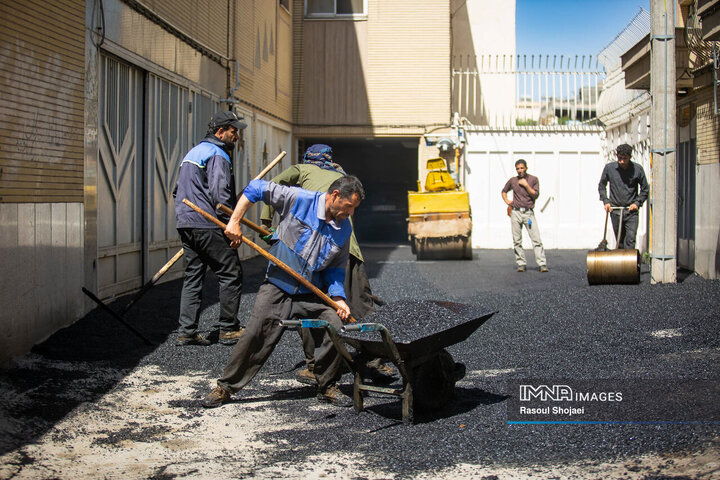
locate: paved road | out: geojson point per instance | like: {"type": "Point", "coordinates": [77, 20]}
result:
{"type": "Point", "coordinates": [92, 398]}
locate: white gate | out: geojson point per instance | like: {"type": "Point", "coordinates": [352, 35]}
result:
{"type": "Point", "coordinates": [167, 143]}
{"type": "Point", "coordinates": [146, 124]}
{"type": "Point", "coordinates": [119, 195]}
{"type": "Point", "coordinates": [568, 166]}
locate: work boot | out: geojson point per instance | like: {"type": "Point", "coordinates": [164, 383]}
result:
{"type": "Point", "coordinates": [231, 337]}
{"type": "Point", "coordinates": [194, 339]}
{"type": "Point", "coordinates": [306, 376]}
{"type": "Point", "coordinates": [332, 394]}
{"type": "Point", "coordinates": [381, 373]}
{"type": "Point", "coordinates": [521, 268]}
{"type": "Point", "coordinates": [216, 397]}
{"type": "Point", "coordinates": [544, 269]}
{"type": "Point", "coordinates": [377, 300]}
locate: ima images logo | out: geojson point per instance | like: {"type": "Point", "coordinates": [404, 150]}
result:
{"type": "Point", "coordinates": [555, 393]}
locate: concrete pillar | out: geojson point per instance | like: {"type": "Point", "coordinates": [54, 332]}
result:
{"type": "Point", "coordinates": [663, 248]}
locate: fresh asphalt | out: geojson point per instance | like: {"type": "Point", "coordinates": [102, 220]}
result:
{"type": "Point", "coordinates": [550, 326]}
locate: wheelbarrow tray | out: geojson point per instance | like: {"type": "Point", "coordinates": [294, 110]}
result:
{"type": "Point", "coordinates": [427, 326]}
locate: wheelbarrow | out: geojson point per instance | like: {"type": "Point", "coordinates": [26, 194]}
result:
{"type": "Point", "coordinates": [620, 266]}
{"type": "Point", "coordinates": [428, 372]}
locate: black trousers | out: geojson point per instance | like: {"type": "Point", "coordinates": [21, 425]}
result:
{"type": "Point", "coordinates": [263, 332]}
{"type": "Point", "coordinates": [629, 228]}
{"type": "Point", "coordinates": [203, 249]}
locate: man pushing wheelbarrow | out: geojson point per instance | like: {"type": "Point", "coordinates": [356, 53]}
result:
{"type": "Point", "coordinates": [313, 234]}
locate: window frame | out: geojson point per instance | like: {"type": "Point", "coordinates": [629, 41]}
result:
{"type": "Point", "coordinates": [335, 15]}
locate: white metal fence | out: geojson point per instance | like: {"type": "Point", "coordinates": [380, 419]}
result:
{"type": "Point", "coordinates": [556, 92]}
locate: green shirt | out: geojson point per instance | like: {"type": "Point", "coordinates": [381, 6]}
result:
{"type": "Point", "coordinates": [316, 179]}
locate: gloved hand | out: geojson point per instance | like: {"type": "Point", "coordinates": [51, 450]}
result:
{"type": "Point", "coordinates": [267, 238]}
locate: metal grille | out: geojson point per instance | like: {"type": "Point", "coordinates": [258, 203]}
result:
{"type": "Point", "coordinates": [553, 92]}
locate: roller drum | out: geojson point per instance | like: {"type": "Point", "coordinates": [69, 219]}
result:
{"type": "Point", "coordinates": [613, 267]}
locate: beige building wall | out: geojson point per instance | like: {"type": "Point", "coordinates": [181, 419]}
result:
{"type": "Point", "coordinates": [41, 101]}
{"type": "Point", "coordinates": [42, 48]}
{"type": "Point", "coordinates": [708, 129]}
{"type": "Point", "coordinates": [263, 49]}
{"type": "Point", "coordinates": [382, 75]}
{"type": "Point", "coordinates": [484, 39]}
{"type": "Point", "coordinates": [707, 198]}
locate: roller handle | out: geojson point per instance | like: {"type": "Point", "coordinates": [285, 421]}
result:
{"type": "Point", "coordinates": [302, 280]}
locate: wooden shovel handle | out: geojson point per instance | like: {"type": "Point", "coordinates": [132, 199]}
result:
{"type": "Point", "coordinates": [270, 166]}
{"type": "Point", "coordinates": [258, 228]}
{"type": "Point", "coordinates": [329, 301]}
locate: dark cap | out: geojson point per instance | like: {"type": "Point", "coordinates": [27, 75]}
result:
{"type": "Point", "coordinates": [624, 149]}
{"type": "Point", "coordinates": [226, 118]}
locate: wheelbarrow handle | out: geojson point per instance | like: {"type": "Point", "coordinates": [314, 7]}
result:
{"type": "Point", "coordinates": [302, 280]}
{"type": "Point", "coordinates": [305, 323]}
{"type": "Point", "coordinates": [363, 327]}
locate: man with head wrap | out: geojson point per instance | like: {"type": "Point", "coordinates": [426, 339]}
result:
{"type": "Point", "coordinates": [316, 172]}
{"type": "Point", "coordinates": [629, 189]}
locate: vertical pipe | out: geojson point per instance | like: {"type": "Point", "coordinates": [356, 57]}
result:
{"type": "Point", "coordinates": [554, 77]}
{"type": "Point", "coordinates": [663, 268]}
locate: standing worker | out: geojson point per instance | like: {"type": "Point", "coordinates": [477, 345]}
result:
{"type": "Point", "coordinates": [206, 179]}
{"type": "Point", "coordinates": [316, 172]}
{"type": "Point", "coordinates": [526, 189]}
{"type": "Point", "coordinates": [314, 240]}
{"type": "Point", "coordinates": [629, 189]}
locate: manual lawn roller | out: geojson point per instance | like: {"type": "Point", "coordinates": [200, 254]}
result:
{"type": "Point", "coordinates": [427, 369]}
{"type": "Point", "coordinates": [613, 266]}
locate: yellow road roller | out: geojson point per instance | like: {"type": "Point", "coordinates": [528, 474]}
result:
{"type": "Point", "coordinates": [439, 222]}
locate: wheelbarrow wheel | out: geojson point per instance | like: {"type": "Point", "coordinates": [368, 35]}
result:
{"type": "Point", "coordinates": [433, 381]}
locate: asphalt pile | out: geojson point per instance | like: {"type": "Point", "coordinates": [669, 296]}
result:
{"type": "Point", "coordinates": [411, 319]}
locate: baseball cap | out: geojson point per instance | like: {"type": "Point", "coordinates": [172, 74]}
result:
{"type": "Point", "coordinates": [226, 118]}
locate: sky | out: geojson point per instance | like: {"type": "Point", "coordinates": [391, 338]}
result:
{"type": "Point", "coordinates": [575, 27]}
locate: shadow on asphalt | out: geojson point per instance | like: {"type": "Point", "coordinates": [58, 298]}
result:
{"type": "Point", "coordinates": [104, 344]}
{"type": "Point", "coordinates": [466, 400]}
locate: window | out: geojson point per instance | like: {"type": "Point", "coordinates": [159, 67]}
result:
{"type": "Point", "coordinates": [335, 8]}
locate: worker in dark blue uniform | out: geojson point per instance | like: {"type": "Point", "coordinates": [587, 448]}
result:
{"type": "Point", "coordinates": [206, 179]}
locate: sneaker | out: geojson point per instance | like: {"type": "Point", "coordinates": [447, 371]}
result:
{"type": "Point", "coordinates": [332, 394]}
{"type": "Point", "coordinates": [306, 376]}
{"type": "Point", "coordinates": [521, 268]}
{"type": "Point", "coordinates": [231, 337]}
{"type": "Point", "coordinates": [544, 269]}
{"type": "Point", "coordinates": [382, 373]}
{"type": "Point", "coordinates": [195, 339]}
{"type": "Point", "coordinates": [216, 397]}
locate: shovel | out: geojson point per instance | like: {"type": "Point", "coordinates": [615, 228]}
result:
{"type": "Point", "coordinates": [302, 280]}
